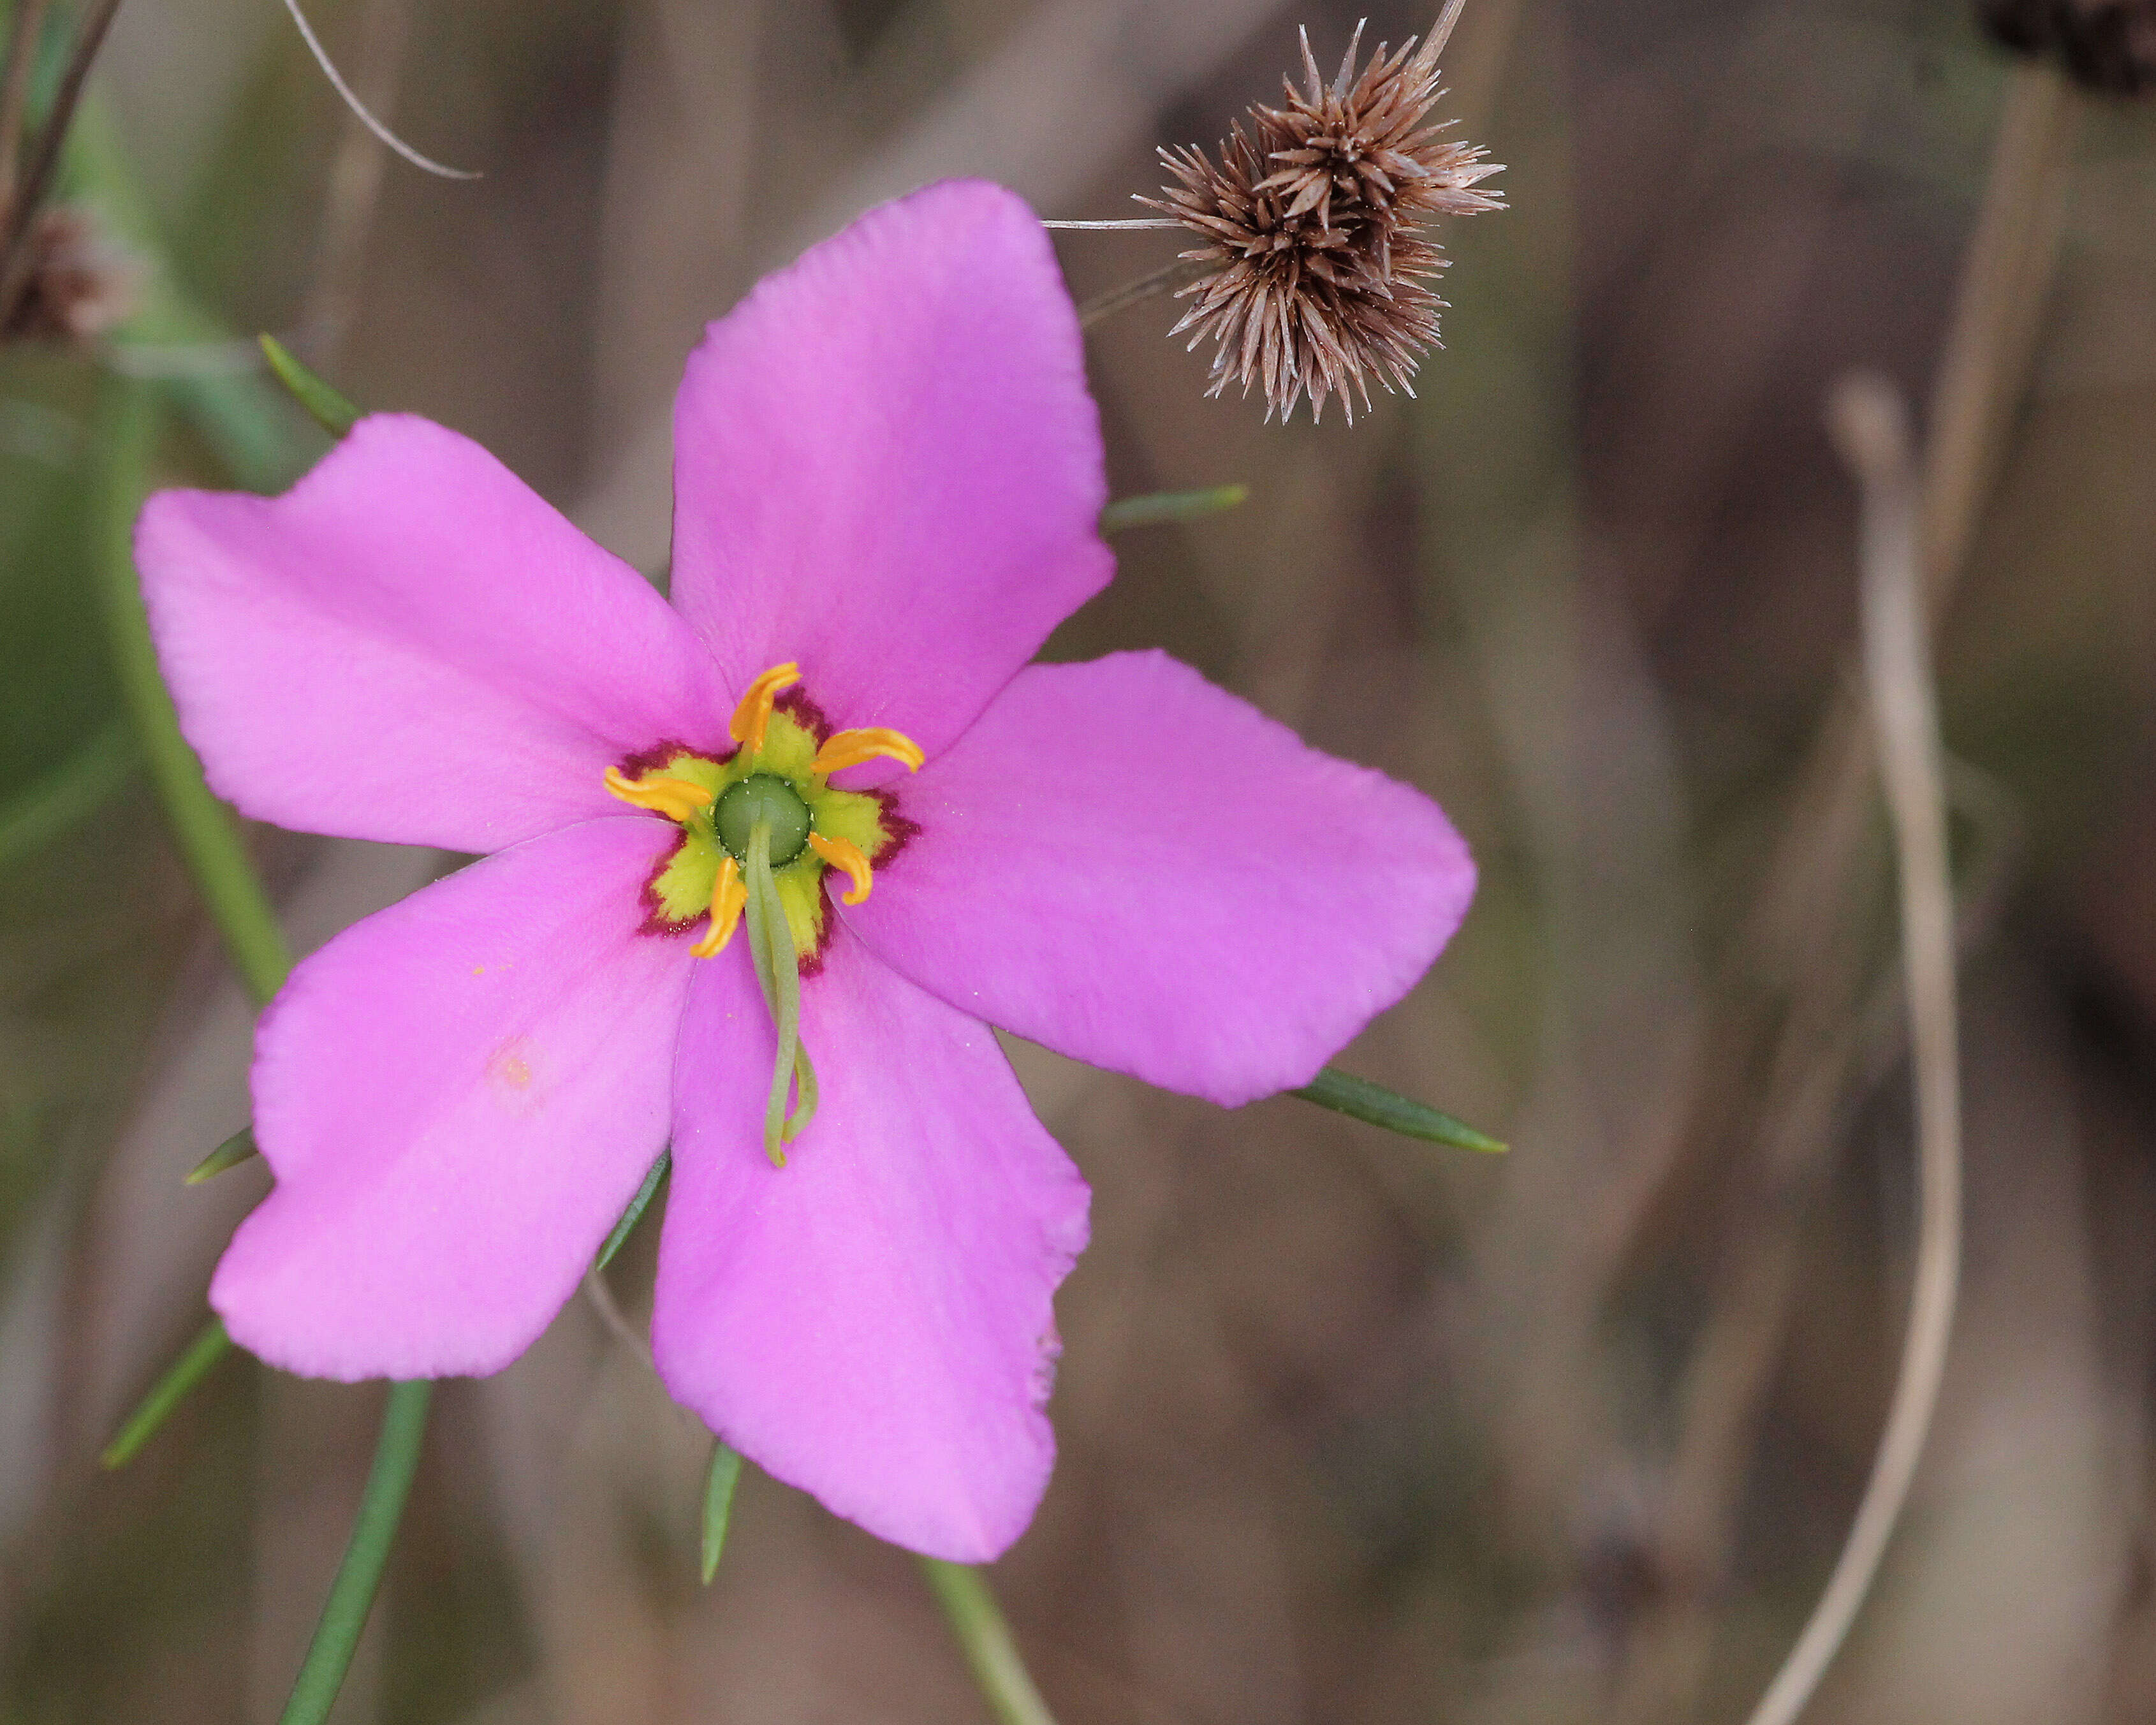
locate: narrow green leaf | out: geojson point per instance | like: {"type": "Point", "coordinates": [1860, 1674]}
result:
{"type": "Point", "coordinates": [637, 1206]}
{"type": "Point", "coordinates": [210, 1345]}
{"type": "Point", "coordinates": [1158, 508]}
{"type": "Point", "coordinates": [359, 1576]}
{"type": "Point", "coordinates": [329, 406]}
{"type": "Point", "coordinates": [718, 1505]}
{"type": "Point", "coordinates": [1346, 1094]}
{"type": "Point", "coordinates": [235, 1150]}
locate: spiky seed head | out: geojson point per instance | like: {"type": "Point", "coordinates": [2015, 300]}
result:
{"type": "Point", "coordinates": [2104, 45]}
{"type": "Point", "coordinates": [1314, 273]}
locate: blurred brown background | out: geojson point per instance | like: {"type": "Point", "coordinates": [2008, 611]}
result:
{"type": "Point", "coordinates": [1352, 1430]}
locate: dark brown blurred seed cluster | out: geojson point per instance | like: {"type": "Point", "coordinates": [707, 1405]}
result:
{"type": "Point", "coordinates": [2106, 45]}
{"type": "Point", "coordinates": [79, 281]}
{"type": "Point", "coordinates": [1316, 274]}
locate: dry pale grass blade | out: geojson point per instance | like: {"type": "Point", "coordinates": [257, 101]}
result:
{"type": "Point", "coordinates": [2013, 255]}
{"type": "Point", "coordinates": [1870, 429]}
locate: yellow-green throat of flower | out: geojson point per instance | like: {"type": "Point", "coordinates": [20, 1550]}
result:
{"type": "Point", "coordinates": [760, 827]}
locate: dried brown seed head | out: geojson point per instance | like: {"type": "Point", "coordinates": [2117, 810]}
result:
{"type": "Point", "coordinates": [1316, 274]}
{"type": "Point", "coordinates": [2105, 45]}
{"type": "Point", "coordinates": [81, 281]}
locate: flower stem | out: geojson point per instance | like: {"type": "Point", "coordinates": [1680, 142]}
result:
{"type": "Point", "coordinates": [985, 1639]}
{"type": "Point", "coordinates": [128, 415]}
{"type": "Point", "coordinates": [359, 1576]}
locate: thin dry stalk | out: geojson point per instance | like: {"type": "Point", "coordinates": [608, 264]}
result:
{"type": "Point", "coordinates": [355, 180]}
{"type": "Point", "coordinates": [1871, 429]}
{"type": "Point", "coordinates": [600, 1298]}
{"type": "Point", "coordinates": [1772, 990]}
{"type": "Point", "coordinates": [365, 114]}
{"type": "Point", "coordinates": [2012, 257]}
{"type": "Point", "coordinates": [1103, 306]}
{"type": "Point", "coordinates": [24, 30]}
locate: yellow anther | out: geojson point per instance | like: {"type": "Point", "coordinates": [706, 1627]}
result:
{"type": "Point", "coordinates": [676, 798]}
{"type": "Point", "coordinates": [753, 715]}
{"type": "Point", "coordinates": [728, 895]}
{"type": "Point", "coordinates": [850, 748]}
{"type": "Point", "coordinates": [844, 855]}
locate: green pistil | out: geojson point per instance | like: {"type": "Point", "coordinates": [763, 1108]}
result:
{"type": "Point", "coordinates": [778, 973]}
{"type": "Point", "coordinates": [761, 800]}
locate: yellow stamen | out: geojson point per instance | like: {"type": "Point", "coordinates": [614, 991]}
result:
{"type": "Point", "coordinates": [753, 715]}
{"type": "Point", "coordinates": [676, 798]}
{"type": "Point", "coordinates": [843, 853]}
{"type": "Point", "coordinates": [728, 895]}
{"type": "Point", "coordinates": [850, 748]}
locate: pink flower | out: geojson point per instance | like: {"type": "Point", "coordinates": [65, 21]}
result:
{"type": "Point", "coordinates": [887, 474]}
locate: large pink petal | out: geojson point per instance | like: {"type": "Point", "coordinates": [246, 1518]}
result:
{"type": "Point", "coordinates": [873, 1321]}
{"type": "Point", "coordinates": [886, 466]}
{"type": "Point", "coordinates": [459, 1096]}
{"type": "Point", "coordinates": [410, 645]}
{"type": "Point", "coordinates": [1134, 868]}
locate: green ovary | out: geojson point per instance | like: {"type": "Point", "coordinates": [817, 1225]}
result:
{"type": "Point", "coordinates": [785, 783]}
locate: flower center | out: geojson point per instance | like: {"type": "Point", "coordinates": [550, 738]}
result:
{"type": "Point", "coordinates": [762, 797]}
{"type": "Point", "coordinates": [759, 828]}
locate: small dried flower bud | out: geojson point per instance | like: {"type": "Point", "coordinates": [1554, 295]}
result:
{"type": "Point", "coordinates": [81, 281]}
{"type": "Point", "coordinates": [2104, 45]}
{"type": "Point", "coordinates": [1316, 274]}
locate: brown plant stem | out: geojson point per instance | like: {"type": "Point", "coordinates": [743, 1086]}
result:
{"type": "Point", "coordinates": [24, 30]}
{"type": "Point", "coordinates": [1871, 429]}
{"type": "Point", "coordinates": [45, 160]}
{"type": "Point", "coordinates": [1789, 992]}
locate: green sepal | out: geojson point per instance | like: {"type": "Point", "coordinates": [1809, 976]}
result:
{"type": "Point", "coordinates": [326, 405]}
{"type": "Point", "coordinates": [239, 1148]}
{"type": "Point", "coordinates": [1346, 1094]}
{"type": "Point", "coordinates": [1159, 508]}
{"type": "Point", "coordinates": [210, 1345]}
{"type": "Point", "coordinates": [637, 1206]}
{"type": "Point", "coordinates": [719, 1505]}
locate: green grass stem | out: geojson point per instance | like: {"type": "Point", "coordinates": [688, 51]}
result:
{"type": "Point", "coordinates": [985, 1639]}
{"type": "Point", "coordinates": [359, 1576]}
